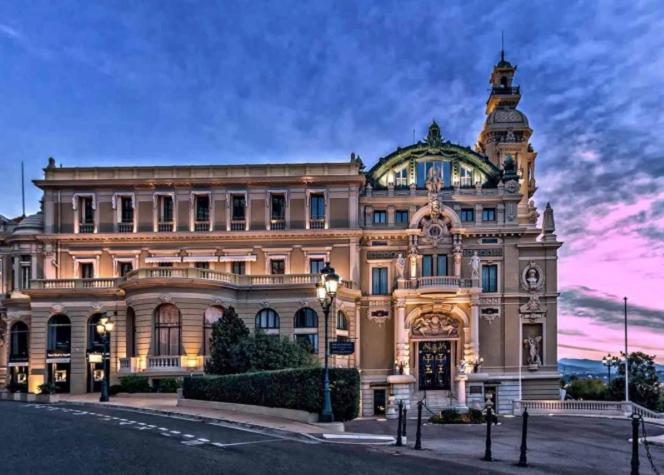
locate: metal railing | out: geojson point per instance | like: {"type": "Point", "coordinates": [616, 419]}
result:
{"type": "Point", "coordinates": [165, 227]}
{"type": "Point", "coordinates": [277, 224]}
{"type": "Point", "coordinates": [85, 228]}
{"type": "Point", "coordinates": [201, 226]}
{"type": "Point", "coordinates": [125, 227]}
{"type": "Point", "coordinates": [238, 224]}
{"type": "Point", "coordinates": [316, 223]}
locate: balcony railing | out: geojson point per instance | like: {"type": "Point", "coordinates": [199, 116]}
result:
{"type": "Point", "coordinates": [438, 282]}
{"type": "Point", "coordinates": [277, 224]}
{"type": "Point", "coordinates": [238, 224]}
{"type": "Point", "coordinates": [125, 227]}
{"type": "Point", "coordinates": [74, 283]}
{"type": "Point", "coordinates": [163, 362]}
{"type": "Point", "coordinates": [201, 226]}
{"type": "Point", "coordinates": [86, 228]}
{"type": "Point", "coordinates": [316, 223]}
{"type": "Point", "coordinates": [165, 227]}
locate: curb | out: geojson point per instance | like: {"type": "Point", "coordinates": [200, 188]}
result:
{"type": "Point", "coordinates": [300, 436]}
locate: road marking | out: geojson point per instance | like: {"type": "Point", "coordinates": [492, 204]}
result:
{"type": "Point", "coordinates": [163, 428]}
{"type": "Point", "coordinates": [204, 440]}
{"type": "Point", "coordinates": [189, 436]}
{"type": "Point", "coordinates": [175, 432]}
{"type": "Point", "coordinates": [192, 442]}
{"type": "Point", "coordinates": [217, 444]}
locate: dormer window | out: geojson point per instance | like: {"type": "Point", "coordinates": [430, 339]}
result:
{"type": "Point", "coordinates": [401, 178]}
{"type": "Point", "coordinates": [465, 177]}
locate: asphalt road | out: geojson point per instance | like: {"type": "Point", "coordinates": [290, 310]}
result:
{"type": "Point", "coordinates": [73, 439]}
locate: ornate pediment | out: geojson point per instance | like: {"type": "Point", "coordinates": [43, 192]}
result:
{"type": "Point", "coordinates": [434, 325]}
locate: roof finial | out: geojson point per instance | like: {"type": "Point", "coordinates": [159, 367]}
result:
{"type": "Point", "coordinates": [502, 45]}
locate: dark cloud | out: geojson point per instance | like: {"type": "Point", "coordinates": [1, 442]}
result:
{"type": "Point", "coordinates": [608, 309]}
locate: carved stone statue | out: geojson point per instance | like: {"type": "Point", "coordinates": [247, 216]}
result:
{"type": "Point", "coordinates": [400, 265]}
{"type": "Point", "coordinates": [532, 278]}
{"type": "Point", "coordinates": [533, 350]}
{"type": "Point", "coordinates": [434, 181]}
{"type": "Point", "coordinates": [461, 367]}
{"type": "Point", "coordinates": [434, 324]}
{"type": "Point", "coordinates": [475, 265]}
{"type": "Point", "coordinates": [548, 224]}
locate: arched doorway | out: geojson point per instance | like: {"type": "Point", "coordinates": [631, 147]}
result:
{"type": "Point", "coordinates": [58, 352]}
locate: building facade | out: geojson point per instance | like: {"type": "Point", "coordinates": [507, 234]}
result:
{"type": "Point", "coordinates": [449, 285]}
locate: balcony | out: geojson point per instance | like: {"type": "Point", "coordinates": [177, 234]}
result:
{"type": "Point", "coordinates": [317, 223]}
{"type": "Point", "coordinates": [161, 364]}
{"type": "Point", "coordinates": [238, 225]}
{"type": "Point", "coordinates": [125, 227]}
{"type": "Point", "coordinates": [438, 284]}
{"type": "Point", "coordinates": [277, 224]}
{"type": "Point", "coordinates": [43, 284]}
{"type": "Point", "coordinates": [165, 227]}
{"type": "Point", "coordinates": [201, 226]}
{"type": "Point", "coordinates": [86, 228]}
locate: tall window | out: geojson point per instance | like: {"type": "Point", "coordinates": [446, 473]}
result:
{"type": "Point", "coordinates": [167, 330]}
{"type": "Point", "coordinates": [444, 169]}
{"type": "Point", "coordinates": [165, 209]}
{"type": "Point", "coordinates": [267, 319]}
{"type": "Point", "coordinates": [131, 332]}
{"type": "Point", "coordinates": [26, 271]}
{"type": "Point", "coordinates": [467, 215]}
{"type": "Point", "coordinates": [210, 317]}
{"type": "Point", "coordinates": [434, 265]}
{"type": "Point", "coordinates": [441, 264]}
{"type": "Point", "coordinates": [239, 206]}
{"type": "Point", "coordinates": [278, 207]}
{"type": "Point", "coordinates": [59, 334]}
{"type": "Point", "coordinates": [489, 214]}
{"type": "Point", "coordinates": [379, 281]}
{"type": "Point", "coordinates": [18, 345]}
{"type": "Point", "coordinates": [342, 321]}
{"type": "Point", "coordinates": [401, 216]}
{"type": "Point", "coordinates": [379, 217]}
{"type": "Point", "coordinates": [316, 265]}
{"type": "Point", "coordinates": [401, 178]}
{"type": "Point", "coordinates": [95, 340]}
{"type": "Point", "coordinates": [202, 208]}
{"type": "Point", "coordinates": [427, 266]}
{"type": "Point", "coordinates": [277, 266]}
{"type": "Point", "coordinates": [87, 213]}
{"type": "Point", "coordinates": [87, 270]}
{"type": "Point", "coordinates": [490, 278]}
{"type": "Point", "coordinates": [238, 268]}
{"type": "Point", "coordinates": [317, 203]}
{"type": "Point", "coordinates": [126, 210]}
{"type": "Point", "coordinates": [306, 328]}
{"type": "Point", "coordinates": [465, 176]}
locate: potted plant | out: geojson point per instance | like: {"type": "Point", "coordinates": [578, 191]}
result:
{"type": "Point", "coordinates": [47, 393]}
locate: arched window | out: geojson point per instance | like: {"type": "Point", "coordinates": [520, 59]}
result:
{"type": "Point", "coordinates": [59, 334]}
{"type": "Point", "coordinates": [95, 340]}
{"type": "Point", "coordinates": [211, 315]}
{"type": "Point", "coordinates": [306, 328]}
{"type": "Point", "coordinates": [131, 332]}
{"type": "Point", "coordinates": [19, 341]}
{"type": "Point", "coordinates": [167, 330]}
{"type": "Point", "coordinates": [342, 321]}
{"type": "Point", "coordinates": [267, 319]}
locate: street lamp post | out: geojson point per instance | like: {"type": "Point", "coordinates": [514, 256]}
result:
{"type": "Point", "coordinates": [326, 291]}
{"type": "Point", "coordinates": [104, 328]}
{"type": "Point", "coordinates": [610, 361]}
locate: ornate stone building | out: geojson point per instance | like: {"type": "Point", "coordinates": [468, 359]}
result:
{"type": "Point", "coordinates": [449, 283]}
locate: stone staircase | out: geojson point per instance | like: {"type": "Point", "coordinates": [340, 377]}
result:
{"type": "Point", "coordinates": [435, 401]}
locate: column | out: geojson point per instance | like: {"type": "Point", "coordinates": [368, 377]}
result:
{"type": "Point", "coordinates": [401, 350]}
{"type": "Point", "coordinates": [475, 326]}
{"type": "Point", "coordinates": [461, 390]}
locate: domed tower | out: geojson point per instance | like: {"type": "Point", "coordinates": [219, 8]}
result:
{"type": "Point", "coordinates": [506, 130]}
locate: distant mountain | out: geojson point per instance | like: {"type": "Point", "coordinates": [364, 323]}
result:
{"type": "Point", "coordinates": [586, 367]}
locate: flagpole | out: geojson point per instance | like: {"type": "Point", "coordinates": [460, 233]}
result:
{"type": "Point", "coordinates": [626, 357]}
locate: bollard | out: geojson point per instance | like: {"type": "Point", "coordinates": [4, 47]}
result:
{"type": "Point", "coordinates": [523, 460]}
{"type": "Point", "coordinates": [418, 433]}
{"type": "Point", "coordinates": [487, 447]}
{"type": "Point", "coordinates": [399, 442]}
{"type": "Point", "coordinates": [403, 432]}
{"type": "Point", "coordinates": [635, 444]}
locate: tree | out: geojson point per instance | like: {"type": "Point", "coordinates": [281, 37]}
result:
{"type": "Point", "coordinates": [227, 332]}
{"type": "Point", "coordinates": [587, 389]}
{"type": "Point", "coordinates": [643, 381]}
{"type": "Point", "coordinates": [264, 353]}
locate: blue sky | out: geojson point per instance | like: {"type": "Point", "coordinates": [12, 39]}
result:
{"type": "Point", "coordinates": [108, 83]}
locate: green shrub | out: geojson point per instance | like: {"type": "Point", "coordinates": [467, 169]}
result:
{"type": "Point", "coordinates": [166, 385]}
{"type": "Point", "coordinates": [135, 384]}
{"type": "Point", "coordinates": [452, 416]}
{"type": "Point", "coordinates": [47, 388]}
{"type": "Point", "coordinates": [263, 352]}
{"type": "Point", "coordinates": [588, 389]}
{"type": "Point", "coordinates": [114, 389]}
{"type": "Point", "coordinates": [300, 389]}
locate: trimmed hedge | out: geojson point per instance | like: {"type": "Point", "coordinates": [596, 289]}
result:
{"type": "Point", "coordinates": [300, 388]}
{"type": "Point", "coordinates": [135, 384]}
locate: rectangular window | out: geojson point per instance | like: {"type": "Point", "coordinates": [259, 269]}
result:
{"type": "Point", "coordinates": [441, 264]}
{"type": "Point", "coordinates": [315, 265]}
{"type": "Point", "coordinates": [278, 208]}
{"type": "Point", "coordinates": [87, 270]}
{"type": "Point", "coordinates": [489, 214]}
{"type": "Point", "coordinates": [401, 216]}
{"type": "Point", "coordinates": [238, 268]}
{"type": "Point", "coordinates": [380, 217]}
{"type": "Point", "coordinates": [467, 215]}
{"type": "Point", "coordinates": [126, 211]}
{"type": "Point", "coordinates": [379, 281]}
{"type": "Point", "coordinates": [202, 265]}
{"type": "Point", "coordinates": [166, 209]}
{"type": "Point", "coordinates": [490, 278]}
{"type": "Point", "coordinates": [124, 268]}
{"type": "Point", "coordinates": [401, 178]}
{"type": "Point", "coordinates": [465, 177]}
{"type": "Point", "coordinates": [239, 207]}
{"type": "Point", "coordinates": [424, 168]}
{"type": "Point", "coordinates": [317, 203]}
{"type": "Point", "coordinates": [277, 266]}
{"type": "Point", "coordinates": [87, 213]}
{"type": "Point", "coordinates": [26, 271]}
{"type": "Point", "coordinates": [427, 266]}
{"type": "Point", "coordinates": [202, 208]}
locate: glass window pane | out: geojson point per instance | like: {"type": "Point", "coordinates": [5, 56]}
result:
{"type": "Point", "coordinates": [427, 266]}
{"type": "Point", "coordinates": [441, 265]}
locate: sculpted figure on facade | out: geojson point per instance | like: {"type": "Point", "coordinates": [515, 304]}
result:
{"type": "Point", "coordinates": [434, 324]}
{"type": "Point", "coordinates": [533, 345]}
{"type": "Point", "coordinates": [400, 266]}
{"type": "Point", "coordinates": [475, 265]}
